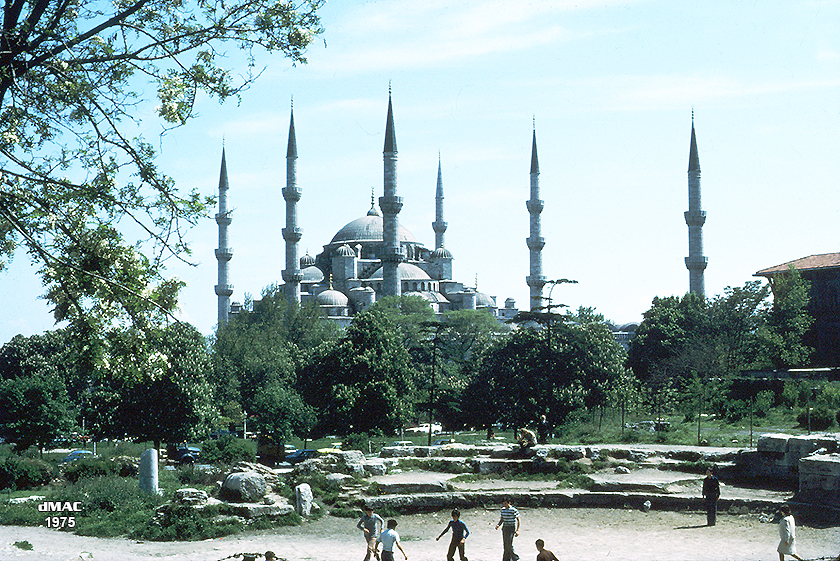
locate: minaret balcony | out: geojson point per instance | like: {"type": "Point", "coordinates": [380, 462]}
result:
{"type": "Point", "coordinates": [695, 218]}
{"type": "Point", "coordinates": [390, 205]}
{"type": "Point", "coordinates": [223, 218]}
{"type": "Point", "coordinates": [292, 234]}
{"type": "Point", "coordinates": [696, 262]}
{"type": "Point", "coordinates": [535, 281]}
{"type": "Point", "coordinates": [535, 206]}
{"type": "Point", "coordinates": [293, 194]}
{"type": "Point", "coordinates": [224, 253]}
{"type": "Point", "coordinates": [439, 226]}
{"type": "Point", "coordinates": [292, 275]}
{"type": "Point", "coordinates": [224, 289]}
{"type": "Point", "coordinates": [535, 244]}
{"type": "Point", "coordinates": [392, 255]}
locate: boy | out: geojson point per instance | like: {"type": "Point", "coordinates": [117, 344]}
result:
{"type": "Point", "coordinates": [371, 525]}
{"type": "Point", "coordinates": [459, 536]}
{"type": "Point", "coordinates": [388, 539]}
{"type": "Point", "coordinates": [509, 521]}
{"type": "Point", "coordinates": [544, 554]}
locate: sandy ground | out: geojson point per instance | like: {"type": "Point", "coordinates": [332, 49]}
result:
{"type": "Point", "coordinates": [591, 534]}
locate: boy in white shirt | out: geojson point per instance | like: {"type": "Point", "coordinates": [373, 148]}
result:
{"type": "Point", "coordinates": [388, 539]}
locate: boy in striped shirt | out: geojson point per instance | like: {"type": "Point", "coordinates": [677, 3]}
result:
{"type": "Point", "coordinates": [509, 521]}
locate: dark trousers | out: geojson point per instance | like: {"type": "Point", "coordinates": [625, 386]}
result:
{"type": "Point", "coordinates": [507, 540]}
{"type": "Point", "coordinates": [387, 555]}
{"type": "Point", "coordinates": [453, 545]}
{"type": "Point", "coordinates": [711, 512]}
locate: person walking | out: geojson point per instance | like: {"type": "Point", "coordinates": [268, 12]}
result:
{"type": "Point", "coordinates": [389, 538]}
{"type": "Point", "coordinates": [787, 534]}
{"type": "Point", "coordinates": [371, 525]}
{"type": "Point", "coordinates": [711, 493]}
{"type": "Point", "coordinates": [459, 536]}
{"type": "Point", "coordinates": [509, 521]}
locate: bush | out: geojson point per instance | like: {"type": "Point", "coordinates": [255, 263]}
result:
{"type": "Point", "coordinates": [821, 418]}
{"type": "Point", "coordinates": [356, 441]}
{"type": "Point", "coordinates": [89, 467]}
{"type": "Point", "coordinates": [24, 473]}
{"type": "Point", "coordinates": [228, 450]}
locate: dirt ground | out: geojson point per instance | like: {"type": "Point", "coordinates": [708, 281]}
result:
{"type": "Point", "coordinates": [590, 534]}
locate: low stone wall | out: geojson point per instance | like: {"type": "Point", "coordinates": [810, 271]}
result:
{"type": "Point", "coordinates": [819, 479]}
{"type": "Point", "coordinates": [777, 456]}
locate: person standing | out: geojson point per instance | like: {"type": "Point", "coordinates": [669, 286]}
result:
{"type": "Point", "coordinates": [459, 536]}
{"type": "Point", "coordinates": [509, 521]}
{"type": "Point", "coordinates": [389, 538]}
{"type": "Point", "coordinates": [543, 428]}
{"type": "Point", "coordinates": [711, 493]}
{"type": "Point", "coordinates": [787, 534]}
{"type": "Point", "coordinates": [371, 525]}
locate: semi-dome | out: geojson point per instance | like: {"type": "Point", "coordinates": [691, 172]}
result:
{"type": "Point", "coordinates": [312, 274]}
{"type": "Point", "coordinates": [345, 251]}
{"type": "Point", "coordinates": [483, 300]}
{"type": "Point", "coordinates": [368, 228]}
{"type": "Point", "coordinates": [441, 253]}
{"type": "Point", "coordinates": [429, 296]}
{"type": "Point", "coordinates": [331, 298]}
{"type": "Point", "coordinates": [405, 271]}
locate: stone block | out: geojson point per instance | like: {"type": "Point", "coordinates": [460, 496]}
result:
{"type": "Point", "coordinates": [303, 499]}
{"type": "Point", "coordinates": [190, 496]}
{"type": "Point", "coordinates": [375, 468]}
{"type": "Point", "coordinates": [819, 478]}
{"type": "Point", "coordinates": [246, 487]}
{"type": "Point", "coordinates": [773, 443]}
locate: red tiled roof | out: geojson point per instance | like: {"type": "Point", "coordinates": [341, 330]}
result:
{"type": "Point", "coordinates": [810, 263]}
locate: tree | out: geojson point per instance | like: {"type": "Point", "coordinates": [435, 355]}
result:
{"type": "Point", "coordinates": [281, 412]}
{"type": "Point", "coordinates": [362, 383]}
{"type": "Point", "coordinates": [787, 321]}
{"type": "Point", "coordinates": [71, 73]}
{"type": "Point", "coordinates": [34, 409]}
{"type": "Point", "coordinates": [164, 388]}
{"type": "Point", "coordinates": [736, 318]}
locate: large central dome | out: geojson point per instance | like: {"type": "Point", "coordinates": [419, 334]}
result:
{"type": "Point", "coordinates": [368, 228]}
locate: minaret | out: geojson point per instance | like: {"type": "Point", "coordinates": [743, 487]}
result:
{"type": "Point", "coordinates": [695, 218]}
{"type": "Point", "coordinates": [223, 253]}
{"type": "Point", "coordinates": [391, 205]}
{"type": "Point", "coordinates": [535, 242]}
{"type": "Point", "coordinates": [292, 274]}
{"type": "Point", "coordinates": [439, 226]}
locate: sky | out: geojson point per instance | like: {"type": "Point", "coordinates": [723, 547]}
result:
{"type": "Point", "coordinates": [608, 85]}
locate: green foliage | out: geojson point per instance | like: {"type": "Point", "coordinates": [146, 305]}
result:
{"type": "Point", "coordinates": [345, 512]}
{"type": "Point", "coordinates": [24, 545]}
{"type": "Point", "coordinates": [24, 473]}
{"type": "Point", "coordinates": [184, 523]}
{"type": "Point", "coordinates": [34, 408]}
{"type": "Point", "coordinates": [228, 450]}
{"type": "Point", "coordinates": [356, 441]}
{"type": "Point", "coordinates": [89, 468]}
{"type": "Point", "coordinates": [73, 74]}
{"type": "Point", "coordinates": [362, 383]}
{"type": "Point", "coordinates": [787, 322]}
{"type": "Point", "coordinates": [821, 418]}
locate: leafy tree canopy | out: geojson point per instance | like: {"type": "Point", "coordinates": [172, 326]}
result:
{"type": "Point", "coordinates": [73, 177]}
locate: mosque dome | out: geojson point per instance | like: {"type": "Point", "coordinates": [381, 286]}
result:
{"type": "Point", "coordinates": [331, 298]}
{"type": "Point", "coordinates": [345, 251]}
{"type": "Point", "coordinates": [483, 300]}
{"type": "Point", "coordinates": [306, 261]}
{"type": "Point", "coordinates": [368, 228]}
{"type": "Point", "coordinates": [405, 271]}
{"type": "Point", "coordinates": [429, 296]}
{"type": "Point", "coordinates": [312, 274]}
{"type": "Point", "coordinates": [441, 253]}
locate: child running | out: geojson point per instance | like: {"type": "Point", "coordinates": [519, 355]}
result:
{"type": "Point", "coordinates": [459, 536]}
{"type": "Point", "coordinates": [544, 554]}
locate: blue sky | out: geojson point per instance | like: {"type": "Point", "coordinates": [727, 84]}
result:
{"type": "Point", "coordinates": [610, 85]}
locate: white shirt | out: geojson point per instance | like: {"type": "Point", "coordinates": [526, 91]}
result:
{"type": "Point", "coordinates": [388, 538]}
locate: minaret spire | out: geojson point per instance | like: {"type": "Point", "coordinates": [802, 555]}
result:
{"type": "Point", "coordinates": [292, 274]}
{"type": "Point", "coordinates": [439, 226]}
{"type": "Point", "coordinates": [391, 205]}
{"type": "Point", "coordinates": [535, 242]}
{"type": "Point", "coordinates": [695, 217]}
{"type": "Point", "coordinates": [223, 289]}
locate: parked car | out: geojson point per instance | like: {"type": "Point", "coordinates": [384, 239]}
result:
{"type": "Point", "coordinates": [443, 441]}
{"type": "Point", "coordinates": [401, 444]}
{"type": "Point", "coordinates": [335, 446]}
{"type": "Point", "coordinates": [299, 456]}
{"type": "Point", "coordinates": [182, 453]}
{"type": "Point", "coordinates": [77, 455]}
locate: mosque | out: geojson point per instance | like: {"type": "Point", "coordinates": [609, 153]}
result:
{"type": "Point", "coordinates": [373, 256]}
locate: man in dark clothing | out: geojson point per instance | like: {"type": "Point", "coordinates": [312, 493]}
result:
{"type": "Point", "coordinates": [711, 492]}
